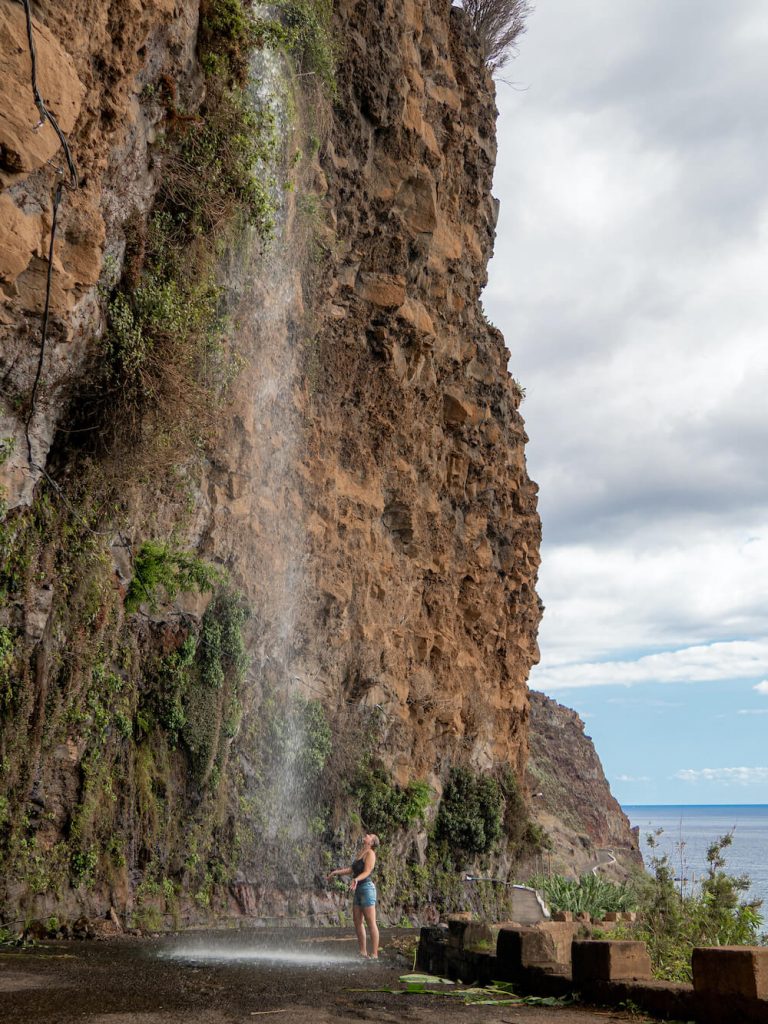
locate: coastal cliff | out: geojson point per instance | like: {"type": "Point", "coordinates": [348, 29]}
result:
{"type": "Point", "coordinates": [571, 798]}
{"type": "Point", "coordinates": [270, 546]}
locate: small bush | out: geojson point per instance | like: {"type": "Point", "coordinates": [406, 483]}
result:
{"type": "Point", "coordinates": [386, 808]}
{"type": "Point", "coordinates": [309, 27]}
{"type": "Point", "coordinates": [7, 656]}
{"type": "Point", "coordinates": [469, 819]}
{"type": "Point", "coordinates": [169, 688]}
{"type": "Point", "coordinates": [83, 866]}
{"type": "Point", "coordinates": [220, 177]}
{"type": "Point", "coordinates": [229, 32]}
{"type": "Point", "coordinates": [499, 24]}
{"type": "Point", "coordinates": [227, 35]}
{"type": "Point", "coordinates": [674, 921]}
{"type": "Point", "coordinates": [210, 702]}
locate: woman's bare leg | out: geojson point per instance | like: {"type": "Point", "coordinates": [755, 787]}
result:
{"type": "Point", "coordinates": [357, 917]}
{"type": "Point", "coordinates": [370, 919]}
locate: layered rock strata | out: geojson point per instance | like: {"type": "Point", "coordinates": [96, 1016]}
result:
{"type": "Point", "coordinates": [381, 518]}
{"type": "Point", "coordinates": [425, 532]}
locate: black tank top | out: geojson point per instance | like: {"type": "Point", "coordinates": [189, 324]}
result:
{"type": "Point", "coordinates": [358, 866]}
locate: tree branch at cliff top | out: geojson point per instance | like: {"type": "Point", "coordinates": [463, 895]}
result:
{"type": "Point", "coordinates": [498, 24]}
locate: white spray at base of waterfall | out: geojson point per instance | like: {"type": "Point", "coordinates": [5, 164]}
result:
{"type": "Point", "coordinates": [248, 954]}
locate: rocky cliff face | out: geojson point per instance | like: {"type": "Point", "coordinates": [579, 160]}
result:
{"type": "Point", "coordinates": [365, 487]}
{"type": "Point", "coordinates": [571, 797]}
{"type": "Point", "coordinates": [93, 62]}
{"type": "Point", "coordinates": [424, 542]}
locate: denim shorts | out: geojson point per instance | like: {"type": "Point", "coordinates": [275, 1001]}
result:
{"type": "Point", "coordinates": [365, 894]}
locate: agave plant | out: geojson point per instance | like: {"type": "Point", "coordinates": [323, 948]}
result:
{"type": "Point", "coordinates": [589, 894]}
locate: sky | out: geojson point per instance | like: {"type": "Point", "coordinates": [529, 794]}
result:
{"type": "Point", "coordinates": [631, 283]}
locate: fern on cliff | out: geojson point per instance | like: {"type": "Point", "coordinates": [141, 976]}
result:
{"type": "Point", "coordinates": [161, 573]}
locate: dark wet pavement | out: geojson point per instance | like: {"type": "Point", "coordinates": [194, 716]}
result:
{"type": "Point", "coordinates": [301, 977]}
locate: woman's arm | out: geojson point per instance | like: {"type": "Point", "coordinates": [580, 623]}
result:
{"type": "Point", "coordinates": [339, 871]}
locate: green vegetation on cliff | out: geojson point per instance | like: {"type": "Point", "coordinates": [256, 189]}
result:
{"type": "Point", "coordinates": [117, 711]}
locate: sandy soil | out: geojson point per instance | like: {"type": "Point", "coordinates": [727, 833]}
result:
{"type": "Point", "coordinates": [220, 978]}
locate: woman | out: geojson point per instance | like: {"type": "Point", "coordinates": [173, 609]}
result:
{"type": "Point", "coordinates": [364, 903]}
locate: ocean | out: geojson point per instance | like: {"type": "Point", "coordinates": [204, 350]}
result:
{"type": "Point", "coordinates": [696, 826]}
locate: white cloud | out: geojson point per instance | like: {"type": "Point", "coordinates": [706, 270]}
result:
{"type": "Point", "coordinates": [742, 659]}
{"type": "Point", "coordinates": [633, 778]}
{"type": "Point", "coordinates": [762, 687]}
{"type": "Point", "coordinates": [724, 776]}
{"type": "Point", "coordinates": [675, 586]}
{"type": "Point", "coordinates": [752, 711]}
{"type": "Point", "coordinates": [628, 281]}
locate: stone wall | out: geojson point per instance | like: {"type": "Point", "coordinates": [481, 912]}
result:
{"type": "Point", "coordinates": [730, 983]}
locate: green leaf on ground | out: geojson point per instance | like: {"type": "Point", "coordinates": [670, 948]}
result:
{"type": "Point", "coordinates": [426, 979]}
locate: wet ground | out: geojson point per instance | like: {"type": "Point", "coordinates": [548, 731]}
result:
{"type": "Point", "coordinates": [222, 977]}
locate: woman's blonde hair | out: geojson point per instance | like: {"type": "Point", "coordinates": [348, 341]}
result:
{"type": "Point", "coordinates": [374, 841]}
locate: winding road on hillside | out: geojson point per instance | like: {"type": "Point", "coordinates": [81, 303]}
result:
{"type": "Point", "coordinates": [604, 859]}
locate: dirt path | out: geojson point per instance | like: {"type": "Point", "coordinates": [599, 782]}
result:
{"type": "Point", "coordinates": [215, 978]}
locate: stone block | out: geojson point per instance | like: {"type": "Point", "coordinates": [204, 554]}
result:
{"type": "Point", "coordinates": [562, 934]}
{"type": "Point", "coordinates": [605, 925]}
{"type": "Point", "coordinates": [479, 968]}
{"type": "Point", "coordinates": [562, 915]}
{"type": "Point", "coordinates": [609, 960]}
{"type": "Point", "coordinates": [430, 955]}
{"type": "Point", "coordinates": [463, 934]}
{"type": "Point", "coordinates": [732, 971]}
{"type": "Point", "coordinates": [520, 949]}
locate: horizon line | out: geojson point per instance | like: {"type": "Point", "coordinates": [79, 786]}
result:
{"type": "Point", "coordinates": [691, 805]}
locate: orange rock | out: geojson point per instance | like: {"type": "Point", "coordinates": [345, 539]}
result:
{"type": "Point", "coordinates": [25, 146]}
{"type": "Point", "coordinates": [387, 290]}
{"type": "Point", "coordinates": [20, 239]}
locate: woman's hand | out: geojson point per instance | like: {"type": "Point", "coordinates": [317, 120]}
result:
{"type": "Point", "coordinates": [353, 885]}
{"type": "Point", "coordinates": [330, 875]}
